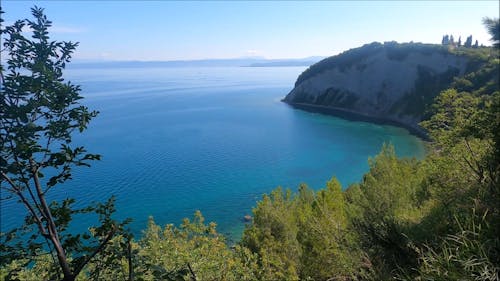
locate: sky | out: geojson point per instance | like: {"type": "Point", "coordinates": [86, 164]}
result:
{"type": "Point", "coordinates": [186, 30]}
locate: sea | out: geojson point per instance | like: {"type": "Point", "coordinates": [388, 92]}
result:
{"type": "Point", "coordinates": [175, 140]}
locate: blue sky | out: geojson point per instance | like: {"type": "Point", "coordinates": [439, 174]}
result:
{"type": "Point", "coordinates": [167, 30]}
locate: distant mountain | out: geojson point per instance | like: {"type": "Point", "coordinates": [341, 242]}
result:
{"type": "Point", "coordinates": [288, 62]}
{"type": "Point", "coordinates": [247, 62]}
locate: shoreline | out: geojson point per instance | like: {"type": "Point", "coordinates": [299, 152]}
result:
{"type": "Point", "coordinates": [357, 116]}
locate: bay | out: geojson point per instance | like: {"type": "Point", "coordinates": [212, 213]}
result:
{"type": "Point", "coordinates": [175, 140]}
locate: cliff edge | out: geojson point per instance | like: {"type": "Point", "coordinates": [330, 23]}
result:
{"type": "Point", "coordinates": [389, 82]}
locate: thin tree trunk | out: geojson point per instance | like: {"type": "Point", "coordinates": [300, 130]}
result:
{"type": "Point", "coordinates": [53, 235]}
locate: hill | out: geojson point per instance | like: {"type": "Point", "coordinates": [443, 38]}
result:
{"type": "Point", "coordinates": [387, 82]}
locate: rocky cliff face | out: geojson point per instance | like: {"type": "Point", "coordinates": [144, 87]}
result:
{"type": "Point", "coordinates": [392, 82]}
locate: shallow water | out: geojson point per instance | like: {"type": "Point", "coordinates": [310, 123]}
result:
{"type": "Point", "coordinates": [176, 140]}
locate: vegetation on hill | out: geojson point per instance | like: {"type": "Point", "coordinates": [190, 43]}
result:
{"type": "Point", "coordinates": [431, 219]}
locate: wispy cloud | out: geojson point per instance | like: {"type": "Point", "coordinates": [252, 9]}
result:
{"type": "Point", "coordinates": [252, 52]}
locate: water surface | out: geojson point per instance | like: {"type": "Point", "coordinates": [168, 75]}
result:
{"type": "Point", "coordinates": [176, 140]}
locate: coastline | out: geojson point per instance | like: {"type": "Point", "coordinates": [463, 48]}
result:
{"type": "Point", "coordinates": [357, 116]}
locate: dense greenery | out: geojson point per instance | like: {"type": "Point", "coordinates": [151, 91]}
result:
{"type": "Point", "coordinates": [432, 219]}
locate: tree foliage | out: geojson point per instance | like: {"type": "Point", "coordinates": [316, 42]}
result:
{"type": "Point", "coordinates": [493, 27]}
{"type": "Point", "coordinates": [468, 42]}
{"type": "Point", "coordinates": [303, 236]}
{"type": "Point", "coordinates": [193, 251]}
{"type": "Point", "coordinates": [39, 113]}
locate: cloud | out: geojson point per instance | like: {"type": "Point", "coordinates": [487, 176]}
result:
{"type": "Point", "coordinates": [252, 52]}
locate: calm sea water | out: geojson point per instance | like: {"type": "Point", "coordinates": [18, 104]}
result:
{"type": "Point", "coordinates": [177, 140]}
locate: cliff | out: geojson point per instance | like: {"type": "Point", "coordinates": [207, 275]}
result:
{"type": "Point", "coordinates": [387, 82]}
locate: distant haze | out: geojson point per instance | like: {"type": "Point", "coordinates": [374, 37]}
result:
{"type": "Point", "coordinates": [243, 62]}
{"type": "Point", "coordinates": [191, 30]}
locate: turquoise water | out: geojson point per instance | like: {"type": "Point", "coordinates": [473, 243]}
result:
{"type": "Point", "coordinates": [176, 140]}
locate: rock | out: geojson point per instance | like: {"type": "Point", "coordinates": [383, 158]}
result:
{"type": "Point", "coordinates": [247, 218]}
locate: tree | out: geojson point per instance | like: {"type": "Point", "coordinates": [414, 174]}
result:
{"type": "Point", "coordinates": [193, 251]}
{"type": "Point", "coordinates": [452, 40]}
{"type": "Point", "coordinates": [476, 44]}
{"type": "Point", "coordinates": [468, 42]}
{"type": "Point", "coordinates": [445, 40]}
{"type": "Point", "coordinates": [39, 113]}
{"type": "Point", "coordinates": [493, 27]}
{"type": "Point", "coordinates": [329, 248]}
{"type": "Point", "coordinates": [273, 236]}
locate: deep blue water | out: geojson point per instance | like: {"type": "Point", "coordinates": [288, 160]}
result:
{"type": "Point", "coordinates": [176, 140]}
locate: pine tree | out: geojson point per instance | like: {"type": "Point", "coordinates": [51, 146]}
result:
{"type": "Point", "coordinates": [468, 42]}
{"type": "Point", "coordinates": [445, 40]}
